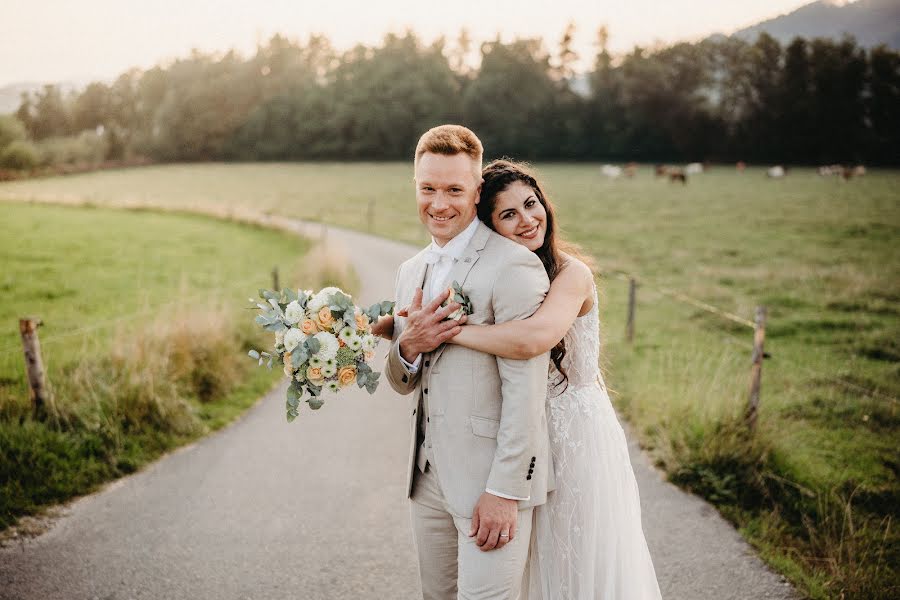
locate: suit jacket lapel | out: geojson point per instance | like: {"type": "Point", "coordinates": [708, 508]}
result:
{"type": "Point", "coordinates": [461, 267]}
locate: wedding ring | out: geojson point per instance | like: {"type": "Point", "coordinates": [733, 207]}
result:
{"type": "Point", "coordinates": [504, 535]}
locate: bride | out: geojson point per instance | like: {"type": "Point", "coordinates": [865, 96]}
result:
{"type": "Point", "coordinates": [587, 542]}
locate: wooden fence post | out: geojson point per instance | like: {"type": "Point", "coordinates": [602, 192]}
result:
{"type": "Point", "coordinates": [275, 282]}
{"type": "Point", "coordinates": [34, 366]}
{"type": "Point", "coordinates": [759, 337]}
{"type": "Point", "coordinates": [629, 325]}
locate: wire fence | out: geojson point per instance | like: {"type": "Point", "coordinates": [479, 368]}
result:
{"type": "Point", "coordinates": [732, 339]}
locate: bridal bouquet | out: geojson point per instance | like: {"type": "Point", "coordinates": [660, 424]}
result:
{"type": "Point", "coordinates": [324, 341]}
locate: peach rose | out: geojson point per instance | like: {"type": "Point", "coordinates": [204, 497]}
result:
{"type": "Point", "coordinates": [286, 359]}
{"type": "Point", "coordinates": [314, 375]}
{"type": "Point", "coordinates": [347, 376]}
{"type": "Point", "coordinates": [362, 322]}
{"type": "Point", "coordinates": [324, 318]}
{"type": "Point", "coordinates": [309, 327]}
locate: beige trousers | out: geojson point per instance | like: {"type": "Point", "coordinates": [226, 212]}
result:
{"type": "Point", "coordinates": [451, 566]}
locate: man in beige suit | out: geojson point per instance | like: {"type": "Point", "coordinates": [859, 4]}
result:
{"type": "Point", "coordinates": [479, 458]}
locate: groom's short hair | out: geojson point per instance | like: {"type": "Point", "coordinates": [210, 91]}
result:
{"type": "Point", "coordinates": [451, 140]}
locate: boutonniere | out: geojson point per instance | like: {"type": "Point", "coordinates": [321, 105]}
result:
{"type": "Point", "coordinates": [459, 296]}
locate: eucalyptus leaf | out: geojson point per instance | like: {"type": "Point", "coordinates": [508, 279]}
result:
{"type": "Point", "coordinates": [276, 306]}
{"type": "Point", "coordinates": [312, 344]}
{"type": "Point", "coordinates": [315, 403]}
{"type": "Point", "coordinates": [299, 356]}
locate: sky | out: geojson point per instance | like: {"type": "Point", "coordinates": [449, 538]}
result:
{"type": "Point", "coordinates": [84, 40]}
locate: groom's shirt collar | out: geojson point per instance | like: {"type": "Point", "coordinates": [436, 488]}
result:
{"type": "Point", "coordinates": [455, 247]}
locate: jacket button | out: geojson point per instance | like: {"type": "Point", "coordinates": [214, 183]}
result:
{"type": "Point", "coordinates": [414, 411]}
{"type": "Point", "coordinates": [428, 419]}
{"type": "Point", "coordinates": [528, 478]}
{"type": "Point", "coordinates": [405, 379]}
{"type": "Point", "coordinates": [427, 363]}
{"type": "Point", "coordinates": [426, 390]}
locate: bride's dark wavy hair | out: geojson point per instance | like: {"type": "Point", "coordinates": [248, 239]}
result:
{"type": "Point", "coordinates": [498, 176]}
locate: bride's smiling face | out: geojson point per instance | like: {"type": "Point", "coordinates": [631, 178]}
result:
{"type": "Point", "coordinates": [520, 216]}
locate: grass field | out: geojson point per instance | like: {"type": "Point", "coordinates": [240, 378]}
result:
{"type": "Point", "coordinates": [816, 488]}
{"type": "Point", "coordinates": [134, 373]}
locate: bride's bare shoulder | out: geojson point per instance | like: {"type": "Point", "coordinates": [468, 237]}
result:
{"type": "Point", "coordinates": [576, 271]}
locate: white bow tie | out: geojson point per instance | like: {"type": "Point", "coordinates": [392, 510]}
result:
{"type": "Point", "coordinates": [434, 255]}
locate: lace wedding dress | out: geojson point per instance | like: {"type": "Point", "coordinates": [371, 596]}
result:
{"type": "Point", "coordinates": [587, 542]}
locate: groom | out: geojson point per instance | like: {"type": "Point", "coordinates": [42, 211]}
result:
{"type": "Point", "coordinates": [479, 457]}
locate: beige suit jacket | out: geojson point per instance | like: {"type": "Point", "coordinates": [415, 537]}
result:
{"type": "Point", "coordinates": [486, 415]}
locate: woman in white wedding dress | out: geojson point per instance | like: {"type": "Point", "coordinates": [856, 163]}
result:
{"type": "Point", "coordinates": [587, 540]}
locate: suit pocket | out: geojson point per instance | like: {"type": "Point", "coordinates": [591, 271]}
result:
{"type": "Point", "coordinates": [484, 427]}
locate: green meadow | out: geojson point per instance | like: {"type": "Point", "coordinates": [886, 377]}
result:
{"type": "Point", "coordinates": [814, 487]}
{"type": "Point", "coordinates": [144, 337]}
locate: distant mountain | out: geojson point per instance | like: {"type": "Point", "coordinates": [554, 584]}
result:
{"type": "Point", "coordinates": [871, 22]}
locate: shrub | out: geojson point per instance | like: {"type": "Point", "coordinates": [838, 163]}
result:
{"type": "Point", "coordinates": [84, 148]}
{"type": "Point", "coordinates": [20, 154]}
{"type": "Point", "coordinates": [11, 130]}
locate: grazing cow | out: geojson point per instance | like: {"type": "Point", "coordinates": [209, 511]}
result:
{"type": "Point", "coordinates": [678, 175]}
{"type": "Point", "coordinates": [741, 166]}
{"type": "Point", "coordinates": [775, 172]}
{"type": "Point", "coordinates": [859, 171]}
{"type": "Point", "coordinates": [611, 171]}
{"type": "Point", "coordinates": [630, 170]}
{"type": "Point", "coordinates": [694, 168]}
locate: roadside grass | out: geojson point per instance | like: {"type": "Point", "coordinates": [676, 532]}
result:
{"type": "Point", "coordinates": [815, 488]}
{"type": "Point", "coordinates": [128, 390]}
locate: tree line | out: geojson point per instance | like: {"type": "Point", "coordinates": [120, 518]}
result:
{"type": "Point", "coordinates": [722, 99]}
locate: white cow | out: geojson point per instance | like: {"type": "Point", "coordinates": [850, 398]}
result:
{"type": "Point", "coordinates": [776, 171]}
{"type": "Point", "coordinates": [693, 168]}
{"type": "Point", "coordinates": [611, 171]}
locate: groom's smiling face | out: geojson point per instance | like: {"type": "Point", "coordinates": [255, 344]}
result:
{"type": "Point", "coordinates": [447, 188]}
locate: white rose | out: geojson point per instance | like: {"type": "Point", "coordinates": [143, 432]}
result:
{"type": "Point", "coordinates": [293, 312]}
{"type": "Point", "coordinates": [293, 338]}
{"type": "Point", "coordinates": [321, 299]}
{"type": "Point", "coordinates": [328, 345]}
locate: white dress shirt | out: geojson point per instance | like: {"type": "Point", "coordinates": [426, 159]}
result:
{"type": "Point", "coordinates": [442, 259]}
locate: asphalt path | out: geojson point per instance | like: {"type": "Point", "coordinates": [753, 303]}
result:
{"type": "Point", "coordinates": [316, 509]}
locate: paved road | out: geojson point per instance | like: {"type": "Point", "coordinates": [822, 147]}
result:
{"type": "Point", "coordinates": [316, 510]}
